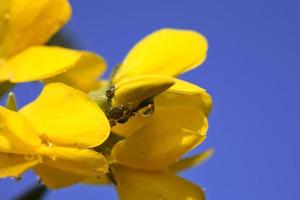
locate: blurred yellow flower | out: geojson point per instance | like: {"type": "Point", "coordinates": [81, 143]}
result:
{"type": "Point", "coordinates": [54, 135]}
{"type": "Point", "coordinates": [27, 24]}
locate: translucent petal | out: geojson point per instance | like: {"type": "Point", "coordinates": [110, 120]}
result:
{"type": "Point", "coordinates": [174, 109]}
{"type": "Point", "coordinates": [167, 52]}
{"type": "Point", "coordinates": [190, 162]}
{"type": "Point", "coordinates": [79, 69]}
{"type": "Point", "coordinates": [134, 90]}
{"type": "Point", "coordinates": [4, 74]}
{"type": "Point", "coordinates": [155, 146]}
{"type": "Point", "coordinates": [66, 166]}
{"type": "Point", "coordinates": [16, 134]}
{"type": "Point", "coordinates": [136, 184]}
{"type": "Point", "coordinates": [187, 93]}
{"type": "Point", "coordinates": [67, 117]}
{"type": "Point", "coordinates": [25, 23]}
{"type": "Point", "coordinates": [13, 165]}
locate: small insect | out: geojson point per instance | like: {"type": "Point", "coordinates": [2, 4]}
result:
{"type": "Point", "coordinates": [121, 113]}
{"type": "Point", "coordinates": [117, 112]}
{"type": "Point", "coordinates": [110, 93]}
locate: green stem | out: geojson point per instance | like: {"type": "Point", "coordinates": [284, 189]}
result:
{"type": "Point", "coordinates": [5, 87]}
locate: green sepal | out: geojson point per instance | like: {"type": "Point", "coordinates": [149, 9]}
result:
{"type": "Point", "coordinates": [11, 102]}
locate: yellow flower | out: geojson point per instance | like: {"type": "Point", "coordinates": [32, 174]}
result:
{"type": "Point", "coordinates": [147, 74]}
{"type": "Point", "coordinates": [172, 120]}
{"type": "Point", "coordinates": [54, 135]}
{"type": "Point", "coordinates": [27, 24]}
{"type": "Point", "coordinates": [146, 163]}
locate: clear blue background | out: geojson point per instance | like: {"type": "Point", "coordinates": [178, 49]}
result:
{"type": "Point", "coordinates": [252, 72]}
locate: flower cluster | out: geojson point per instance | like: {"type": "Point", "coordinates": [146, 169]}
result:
{"type": "Point", "coordinates": [130, 130]}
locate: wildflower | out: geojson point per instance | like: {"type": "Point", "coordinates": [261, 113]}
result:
{"type": "Point", "coordinates": [54, 135]}
{"type": "Point", "coordinates": [148, 72]}
{"type": "Point", "coordinates": [167, 116]}
{"type": "Point", "coordinates": [145, 163]}
{"type": "Point", "coordinates": [27, 24]}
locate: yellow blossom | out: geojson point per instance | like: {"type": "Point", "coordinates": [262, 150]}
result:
{"type": "Point", "coordinates": [139, 184]}
{"type": "Point", "coordinates": [54, 135]}
{"type": "Point", "coordinates": [167, 53]}
{"type": "Point", "coordinates": [145, 161]}
{"type": "Point", "coordinates": [25, 28]}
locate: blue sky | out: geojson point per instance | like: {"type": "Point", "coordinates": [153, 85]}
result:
{"type": "Point", "coordinates": [252, 73]}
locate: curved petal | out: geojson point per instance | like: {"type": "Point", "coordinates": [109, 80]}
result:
{"type": "Point", "coordinates": [66, 166]}
{"type": "Point", "coordinates": [67, 117]}
{"type": "Point", "coordinates": [79, 69]}
{"type": "Point", "coordinates": [190, 162]}
{"type": "Point", "coordinates": [174, 109]}
{"type": "Point", "coordinates": [16, 134]}
{"type": "Point", "coordinates": [136, 184]}
{"type": "Point", "coordinates": [12, 165]}
{"type": "Point", "coordinates": [155, 146]}
{"type": "Point", "coordinates": [133, 90]}
{"type": "Point", "coordinates": [3, 72]}
{"type": "Point", "coordinates": [167, 52]}
{"type": "Point", "coordinates": [101, 180]}
{"type": "Point", "coordinates": [186, 92]}
{"type": "Point", "coordinates": [25, 23]}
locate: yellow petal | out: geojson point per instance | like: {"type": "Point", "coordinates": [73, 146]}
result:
{"type": "Point", "coordinates": [172, 109]}
{"type": "Point", "coordinates": [187, 93]}
{"type": "Point", "coordinates": [134, 90]}
{"type": "Point", "coordinates": [136, 184]}
{"type": "Point", "coordinates": [192, 161]}
{"type": "Point", "coordinates": [67, 166]}
{"type": "Point", "coordinates": [12, 165]}
{"type": "Point", "coordinates": [155, 146]}
{"type": "Point", "coordinates": [167, 52]}
{"type": "Point", "coordinates": [101, 180]}
{"type": "Point", "coordinates": [4, 74]}
{"type": "Point", "coordinates": [79, 69]}
{"type": "Point", "coordinates": [16, 134]}
{"type": "Point", "coordinates": [25, 23]}
{"type": "Point", "coordinates": [67, 117]}
{"type": "Point", "coordinates": [84, 74]}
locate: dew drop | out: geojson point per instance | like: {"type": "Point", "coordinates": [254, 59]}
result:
{"type": "Point", "coordinates": [45, 140]}
{"type": "Point", "coordinates": [147, 111]}
{"type": "Point", "coordinates": [39, 180]}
